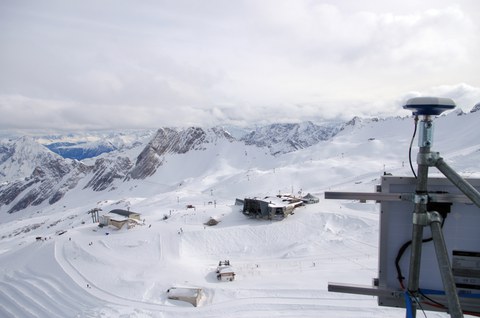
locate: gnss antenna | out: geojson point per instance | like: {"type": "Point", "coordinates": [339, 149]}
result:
{"type": "Point", "coordinates": [429, 105]}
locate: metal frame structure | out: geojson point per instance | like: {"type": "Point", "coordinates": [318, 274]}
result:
{"type": "Point", "coordinates": [395, 195]}
{"type": "Point", "coordinates": [424, 216]}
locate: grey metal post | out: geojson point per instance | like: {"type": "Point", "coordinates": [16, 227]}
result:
{"type": "Point", "coordinates": [419, 221]}
{"type": "Point", "coordinates": [454, 307]}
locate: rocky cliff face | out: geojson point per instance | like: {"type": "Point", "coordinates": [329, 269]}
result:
{"type": "Point", "coordinates": [38, 189]}
{"type": "Point", "coordinates": [18, 158]}
{"type": "Point", "coordinates": [284, 138]}
{"type": "Point", "coordinates": [33, 174]}
{"type": "Point", "coordinates": [170, 140]}
{"type": "Point", "coordinates": [475, 108]}
{"type": "Point", "coordinates": [106, 171]}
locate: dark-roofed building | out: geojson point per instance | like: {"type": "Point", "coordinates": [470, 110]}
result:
{"type": "Point", "coordinates": [126, 213]}
{"type": "Point", "coordinates": [270, 207]}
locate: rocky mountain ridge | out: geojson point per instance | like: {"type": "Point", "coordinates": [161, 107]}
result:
{"type": "Point", "coordinates": [284, 138]}
{"type": "Point", "coordinates": [171, 140]}
{"type": "Point", "coordinates": [32, 175]}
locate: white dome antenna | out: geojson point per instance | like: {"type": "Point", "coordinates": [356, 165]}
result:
{"type": "Point", "coordinates": [429, 105]}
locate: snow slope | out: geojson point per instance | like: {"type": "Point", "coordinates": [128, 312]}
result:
{"type": "Point", "coordinates": [282, 267]}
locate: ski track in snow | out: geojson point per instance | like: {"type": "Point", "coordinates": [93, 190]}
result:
{"type": "Point", "coordinates": [337, 244]}
{"type": "Point", "coordinates": [30, 292]}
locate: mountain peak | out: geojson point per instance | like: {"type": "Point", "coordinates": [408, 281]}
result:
{"type": "Point", "coordinates": [289, 137]}
{"type": "Point", "coordinates": [475, 108]}
{"type": "Point", "coordinates": [174, 141]}
{"type": "Point", "coordinates": [18, 159]}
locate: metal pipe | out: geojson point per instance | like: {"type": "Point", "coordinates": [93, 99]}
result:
{"type": "Point", "coordinates": [457, 180]}
{"type": "Point", "coordinates": [454, 307]}
{"type": "Point", "coordinates": [417, 232]}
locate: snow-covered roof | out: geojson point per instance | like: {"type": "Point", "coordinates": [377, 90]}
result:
{"type": "Point", "coordinates": [276, 202]}
{"type": "Point", "coordinates": [183, 292]}
{"type": "Point", "coordinates": [226, 270]}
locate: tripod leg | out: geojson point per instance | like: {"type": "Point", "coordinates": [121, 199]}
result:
{"type": "Point", "coordinates": [444, 265]}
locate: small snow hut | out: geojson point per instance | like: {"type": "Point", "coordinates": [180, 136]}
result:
{"type": "Point", "coordinates": [225, 272]}
{"type": "Point", "coordinates": [187, 294]}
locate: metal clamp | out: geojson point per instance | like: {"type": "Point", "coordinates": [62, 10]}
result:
{"type": "Point", "coordinates": [434, 216]}
{"type": "Point", "coordinates": [425, 135]}
{"type": "Point", "coordinates": [427, 218]}
{"type": "Point", "coordinates": [420, 198]}
{"type": "Point", "coordinates": [421, 219]}
{"type": "Point", "coordinates": [428, 159]}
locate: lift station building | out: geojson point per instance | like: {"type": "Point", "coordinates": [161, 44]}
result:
{"type": "Point", "coordinates": [277, 207]}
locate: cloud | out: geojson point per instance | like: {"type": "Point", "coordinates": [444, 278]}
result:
{"type": "Point", "coordinates": [155, 63]}
{"type": "Point", "coordinates": [465, 96]}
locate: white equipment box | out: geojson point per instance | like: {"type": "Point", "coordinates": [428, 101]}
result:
{"type": "Point", "coordinates": [461, 231]}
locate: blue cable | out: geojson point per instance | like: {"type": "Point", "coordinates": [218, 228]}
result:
{"type": "Point", "coordinates": [408, 305]}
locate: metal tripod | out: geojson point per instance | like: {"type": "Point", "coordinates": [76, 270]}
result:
{"type": "Point", "coordinates": [421, 218]}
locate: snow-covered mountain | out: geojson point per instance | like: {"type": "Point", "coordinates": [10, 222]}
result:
{"type": "Point", "coordinates": [32, 174]}
{"type": "Point", "coordinates": [19, 158]}
{"type": "Point", "coordinates": [282, 267]}
{"type": "Point", "coordinates": [475, 108]}
{"type": "Point", "coordinates": [23, 162]}
{"type": "Point", "coordinates": [284, 138]}
{"type": "Point", "coordinates": [174, 141]}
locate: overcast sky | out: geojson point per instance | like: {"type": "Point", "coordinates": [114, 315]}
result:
{"type": "Point", "coordinates": [90, 64]}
